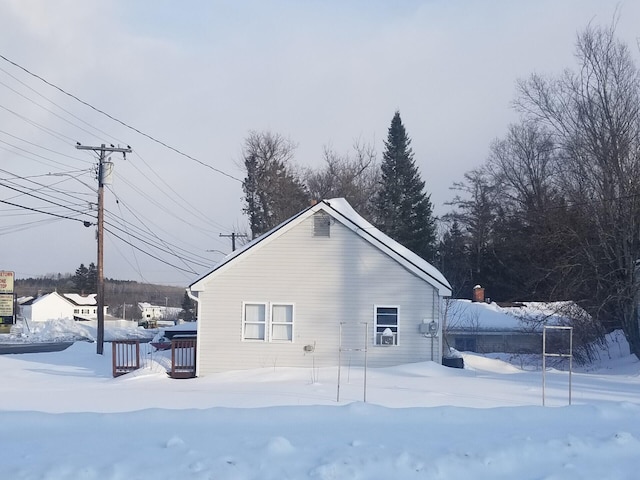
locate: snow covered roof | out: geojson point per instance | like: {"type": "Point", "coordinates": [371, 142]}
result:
{"type": "Point", "coordinates": [26, 300]}
{"type": "Point", "coordinates": [342, 212]}
{"type": "Point", "coordinates": [73, 298]}
{"type": "Point", "coordinates": [78, 299]}
{"type": "Point", "coordinates": [468, 316]}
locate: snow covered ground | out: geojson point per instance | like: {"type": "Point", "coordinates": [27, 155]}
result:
{"type": "Point", "coordinates": [63, 416]}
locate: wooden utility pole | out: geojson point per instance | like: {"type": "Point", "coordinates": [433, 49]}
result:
{"type": "Point", "coordinates": [104, 170]}
{"type": "Point", "coordinates": [233, 236]}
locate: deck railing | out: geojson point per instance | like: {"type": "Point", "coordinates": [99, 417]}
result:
{"type": "Point", "coordinates": [183, 357]}
{"type": "Point", "coordinates": [125, 356]}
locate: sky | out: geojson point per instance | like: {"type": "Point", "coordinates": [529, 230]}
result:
{"type": "Point", "coordinates": [64, 416]}
{"type": "Point", "coordinates": [183, 84]}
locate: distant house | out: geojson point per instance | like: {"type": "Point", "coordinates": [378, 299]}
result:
{"type": "Point", "coordinates": [516, 327]}
{"type": "Point", "coordinates": [157, 312]}
{"type": "Point", "coordinates": [150, 312]}
{"type": "Point", "coordinates": [53, 306]}
{"type": "Point", "coordinates": [323, 285]}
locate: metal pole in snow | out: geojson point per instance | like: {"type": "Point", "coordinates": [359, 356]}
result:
{"type": "Point", "coordinates": [366, 337]}
{"type": "Point", "coordinates": [570, 360]}
{"type": "Point", "coordinates": [339, 361]}
{"type": "Point", "coordinates": [544, 357]}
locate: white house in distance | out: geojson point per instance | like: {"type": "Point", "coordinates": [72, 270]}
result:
{"type": "Point", "coordinates": [53, 306]}
{"type": "Point", "coordinates": [150, 312]}
{"type": "Point", "coordinates": [323, 284]}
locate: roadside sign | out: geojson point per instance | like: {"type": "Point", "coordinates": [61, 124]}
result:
{"type": "Point", "coordinates": [7, 303]}
{"type": "Point", "coordinates": [6, 282]}
{"type": "Point", "coordinates": [6, 306]}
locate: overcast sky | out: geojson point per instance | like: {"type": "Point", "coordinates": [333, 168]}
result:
{"type": "Point", "coordinates": [199, 75]}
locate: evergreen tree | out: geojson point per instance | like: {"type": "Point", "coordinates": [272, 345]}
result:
{"type": "Point", "coordinates": [80, 279]}
{"type": "Point", "coordinates": [85, 280]}
{"type": "Point", "coordinates": [453, 261]}
{"type": "Point", "coordinates": [403, 209]}
{"type": "Point", "coordinates": [187, 313]}
{"type": "Point", "coordinates": [92, 278]}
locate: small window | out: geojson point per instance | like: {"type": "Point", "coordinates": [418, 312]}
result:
{"type": "Point", "coordinates": [282, 322]}
{"type": "Point", "coordinates": [386, 325]}
{"type": "Point", "coordinates": [465, 344]}
{"type": "Point", "coordinates": [254, 321]}
{"type": "Point", "coordinates": [321, 225]}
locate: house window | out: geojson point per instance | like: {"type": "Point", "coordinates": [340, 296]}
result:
{"type": "Point", "coordinates": [282, 322]}
{"type": "Point", "coordinates": [321, 225]}
{"type": "Point", "coordinates": [465, 344]}
{"type": "Point", "coordinates": [386, 325]}
{"type": "Point", "coordinates": [76, 311]}
{"type": "Point", "coordinates": [254, 322]}
{"type": "Point", "coordinates": [271, 322]}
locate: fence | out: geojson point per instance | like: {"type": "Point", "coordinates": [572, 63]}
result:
{"type": "Point", "coordinates": [183, 357]}
{"type": "Point", "coordinates": [125, 356]}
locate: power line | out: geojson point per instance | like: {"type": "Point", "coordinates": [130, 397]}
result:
{"type": "Point", "coordinates": [53, 133]}
{"type": "Point", "coordinates": [86, 224]}
{"type": "Point", "coordinates": [149, 254]}
{"type": "Point", "coordinates": [119, 121]}
{"type": "Point", "coordinates": [150, 232]}
{"type": "Point", "coordinates": [53, 103]}
{"type": "Point", "coordinates": [43, 199]}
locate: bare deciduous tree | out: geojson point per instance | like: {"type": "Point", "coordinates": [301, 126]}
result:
{"type": "Point", "coordinates": [354, 177]}
{"type": "Point", "coordinates": [594, 117]}
{"type": "Point", "coordinates": [273, 190]}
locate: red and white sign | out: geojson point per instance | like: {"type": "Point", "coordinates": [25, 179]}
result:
{"type": "Point", "coordinates": [6, 282]}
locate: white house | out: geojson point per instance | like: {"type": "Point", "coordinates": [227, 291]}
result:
{"type": "Point", "coordinates": [322, 285]}
{"type": "Point", "coordinates": [149, 311]}
{"type": "Point", "coordinates": [53, 306]}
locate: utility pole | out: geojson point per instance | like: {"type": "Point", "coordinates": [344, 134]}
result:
{"type": "Point", "coordinates": [104, 171]}
{"type": "Point", "coordinates": [233, 236]}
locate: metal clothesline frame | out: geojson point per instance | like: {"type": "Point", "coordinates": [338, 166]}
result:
{"type": "Point", "coordinates": [559, 355]}
{"type": "Point", "coordinates": [364, 349]}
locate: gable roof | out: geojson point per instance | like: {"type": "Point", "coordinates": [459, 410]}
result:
{"type": "Point", "coordinates": [340, 210]}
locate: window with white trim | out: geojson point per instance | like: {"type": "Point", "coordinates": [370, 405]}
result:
{"type": "Point", "coordinates": [254, 321]}
{"type": "Point", "coordinates": [282, 322]}
{"type": "Point", "coordinates": [386, 325]}
{"type": "Point", "coordinates": [267, 322]}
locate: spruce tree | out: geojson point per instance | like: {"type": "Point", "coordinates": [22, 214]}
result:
{"type": "Point", "coordinates": [187, 313]}
{"type": "Point", "coordinates": [453, 261]}
{"type": "Point", "coordinates": [403, 209]}
{"type": "Point", "coordinates": [80, 279]}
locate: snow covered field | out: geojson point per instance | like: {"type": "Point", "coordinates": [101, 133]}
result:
{"type": "Point", "coordinates": [63, 416]}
